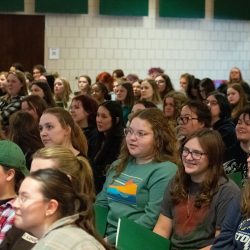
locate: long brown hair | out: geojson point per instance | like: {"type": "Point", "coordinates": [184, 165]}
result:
{"type": "Point", "coordinates": [164, 137]}
{"type": "Point", "coordinates": [242, 102]}
{"type": "Point", "coordinates": [211, 142]}
{"type": "Point", "coordinates": [78, 139]}
{"type": "Point", "coordinates": [57, 185]}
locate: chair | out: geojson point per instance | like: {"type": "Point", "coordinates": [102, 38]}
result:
{"type": "Point", "coordinates": [132, 236]}
{"type": "Point", "coordinates": [236, 177]}
{"type": "Point", "coordinates": [101, 214]}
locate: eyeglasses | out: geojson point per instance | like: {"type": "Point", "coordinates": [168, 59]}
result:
{"type": "Point", "coordinates": [138, 134]}
{"type": "Point", "coordinates": [160, 81]}
{"type": "Point", "coordinates": [196, 154]}
{"type": "Point", "coordinates": [211, 103]}
{"type": "Point", "coordinates": [185, 119]}
{"type": "Point", "coordinates": [23, 199]}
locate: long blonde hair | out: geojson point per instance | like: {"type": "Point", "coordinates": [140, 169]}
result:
{"type": "Point", "coordinates": [77, 167]}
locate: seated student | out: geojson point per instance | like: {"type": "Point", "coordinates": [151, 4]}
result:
{"type": "Point", "coordinates": [79, 170]}
{"type": "Point", "coordinates": [172, 104]}
{"type": "Point", "coordinates": [110, 126]}
{"type": "Point", "coordinates": [11, 102]}
{"type": "Point", "coordinates": [57, 127]}
{"type": "Point", "coordinates": [194, 116]}
{"type": "Point", "coordinates": [140, 105]}
{"type": "Point", "coordinates": [136, 182]}
{"type": "Point", "coordinates": [236, 157]}
{"type": "Point", "coordinates": [196, 200]}
{"type": "Point", "coordinates": [235, 233]}
{"type": "Point", "coordinates": [24, 132]}
{"type": "Point", "coordinates": [221, 117]}
{"type": "Point", "coordinates": [49, 207]}
{"type": "Point", "coordinates": [13, 169]}
{"type": "Point", "coordinates": [83, 110]}
{"type": "Point", "coordinates": [125, 97]}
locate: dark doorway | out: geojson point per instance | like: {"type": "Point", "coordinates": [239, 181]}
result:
{"type": "Point", "coordinates": [22, 40]}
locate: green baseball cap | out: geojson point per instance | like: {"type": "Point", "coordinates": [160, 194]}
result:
{"type": "Point", "coordinates": [11, 156]}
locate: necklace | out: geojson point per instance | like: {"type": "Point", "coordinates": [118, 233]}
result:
{"type": "Point", "coordinates": [187, 206]}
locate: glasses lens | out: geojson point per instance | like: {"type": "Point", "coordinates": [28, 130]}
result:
{"type": "Point", "coordinates": [125, 131]}
{"type": "Point", "coordinates": [185, 152]}
{"type": "Point", "coordinates": [182, 120]}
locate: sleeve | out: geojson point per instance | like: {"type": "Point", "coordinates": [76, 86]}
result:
{"type": "Point", "coordinates": [157, 185]}
{"type": "Point", "coordinates": [14, 106]}
{"type": "Point", "coordinates": [228, 193]}
{"type": "Point", "coordinates": [166, 205]}
{"type": "Point", "coordinates": [230, 224]}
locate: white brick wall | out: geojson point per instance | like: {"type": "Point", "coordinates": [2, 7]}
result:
{"type": "Point", "coordinates": [92, 43]}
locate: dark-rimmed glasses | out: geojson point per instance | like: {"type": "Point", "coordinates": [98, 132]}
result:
{"type": "Point", "coordinates": [195, 154]}
{"type": "Point", "coordinates": [185, 119]}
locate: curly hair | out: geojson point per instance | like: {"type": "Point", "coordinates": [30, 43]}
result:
{"type": "Point", "coordinates": [164, 138]}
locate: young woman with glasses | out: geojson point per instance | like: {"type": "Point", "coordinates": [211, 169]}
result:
{"type": "Point", "coordinates": [196, 200]}
{"type": "Point", "coordinates": [194, 116]}
{"type": "Point", "coordinates": [135, 183]}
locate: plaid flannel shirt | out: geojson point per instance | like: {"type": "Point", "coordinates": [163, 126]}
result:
{"type": "Point", "coordinates": [7, 216]}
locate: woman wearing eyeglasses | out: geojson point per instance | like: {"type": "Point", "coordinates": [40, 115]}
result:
{"type": "Point", "coordinates": [196, 200]}
{"type": "Point", "coordinates": [194, 116]}
{"type": "Point", "coordinates": [135, 183]}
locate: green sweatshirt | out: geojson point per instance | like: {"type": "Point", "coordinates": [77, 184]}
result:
{"type": "Point", "coordinates": [136, 194]}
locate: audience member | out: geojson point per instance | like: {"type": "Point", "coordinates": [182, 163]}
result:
{"type": "Point", "coordinates": [11, 102]}
{"type": "Point", "coordinates": [135, 183]}
{"type": "Point", "coordinates": [51, 209]}
{"type": "Point", "coordinates": [100, 93]}
{"type": "Point", "coordinates": [57, 127]}
{"type": "Point", "coordinates": [196, 200]}
{"type": "Point", "coordinates": [185, 79]}
{"type": "Point", "coordinates": [13, 169]}
{"type": "Point", "coordinates": [221, 118]}
{"type": "Point", "coordinates": [62, 92]}
{"type": "Point", "coordinates": [3, 82]}
{"type": "Point", "coordinates": [24, 131]}
{"type": "Point", "coordinates": [137, 89]}
{"type": "Point", "coordinates": [206, 86]}
{"type": "Point", "coordinates": [194, 116]}
{"type": "Point", "coordinates": [34, 105]}
{"type": "Point", "coordinates": [80, 174]}
{"type": "Point", "coordinates": [164, 85]}
{"type": "Point", "coordinates": [155, 71]}
{"type": "Point", "coordinates": [235, 228]}
{"type": "Point", "coordinates": [110, 126]}
{"type": "Point", "coordinates": [38, 72]}
{"type": "Point", "coordinates": [236, 157]}
{"type": "Point", "coordinates": [42, 89]}
{"type": "Point", "coordinates": [117, 74]}
{"type": "Point", "coordinates": [84, 85]}
{"type": "Point", "coordinates": [172, 104]}
{"type": "Point", "coordinates": [125, 96]}
{"type": "Point", "coordinates": [237, 98]}
{"type": "Point", "coordinates": [149, 92]}
{"type": "Point", "coordinates": [83, 109]}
